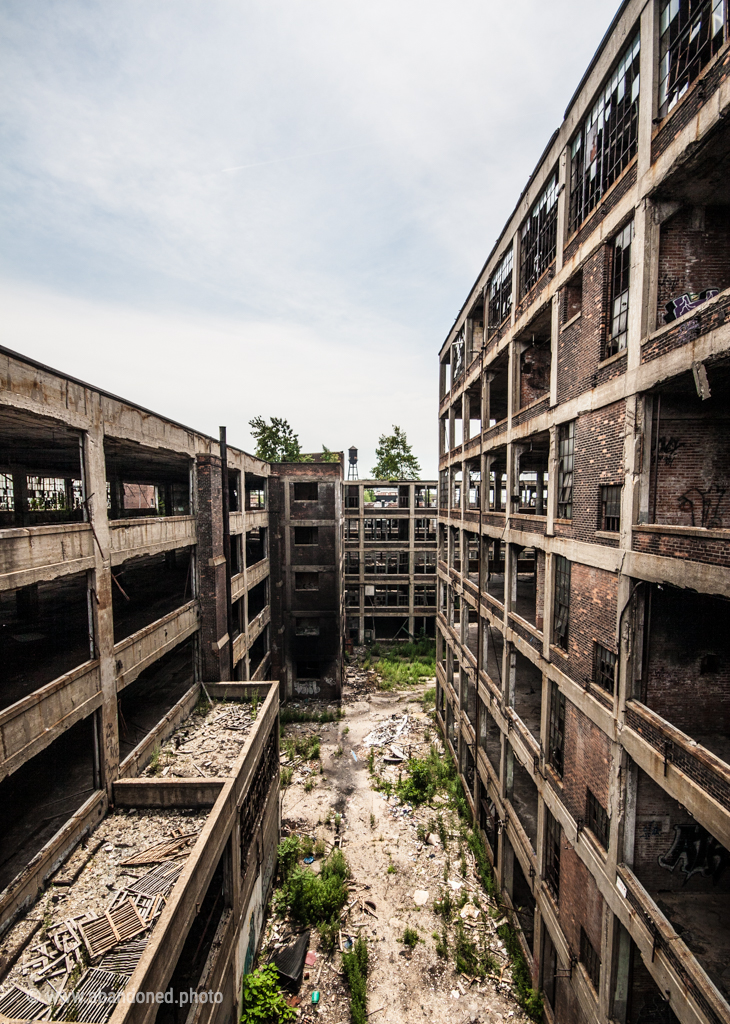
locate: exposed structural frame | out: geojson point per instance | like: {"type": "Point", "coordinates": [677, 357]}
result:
{"type": "Point", "coordinates": [584, 523]}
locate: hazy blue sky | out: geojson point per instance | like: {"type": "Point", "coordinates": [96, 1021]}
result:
{"type": "Point", "coordinates": [221, 209]}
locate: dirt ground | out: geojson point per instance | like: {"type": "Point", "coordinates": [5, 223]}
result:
{"type": "Point", "coordinates": [391, 868]}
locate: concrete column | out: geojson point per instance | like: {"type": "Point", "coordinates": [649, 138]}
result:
{"type": "Point", "coordinates": [552, 483]}
{"type": "Point", "coordinates": [214, 636]}
{"type": "Point", "coordinates": [554, 345]}
{"type": "Point", "coordinates": [648, 77]}
{"type": "Point", "coordinates": [563, 201]}
{"type": "Point", "coordinates": [101, 600]}
{"type": "Point", "coordinates": [547, 624]}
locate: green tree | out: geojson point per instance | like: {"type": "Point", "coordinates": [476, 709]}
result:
{"type": "Point", "coordinates": [328, 456]}
{"type": "Point", "coordinates": [276, 441]}
{"type": "Point", "coordinates": [396, 461]}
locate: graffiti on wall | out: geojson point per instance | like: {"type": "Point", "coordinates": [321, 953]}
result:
{"type": "Point", "coordinates": [704, 506]}
{"type": "Point", "coordinates": [668, 448]}
{"type": "Point", "coordinates": [695, 852]}
{"type": "Point", "coordinates": [684, 303]}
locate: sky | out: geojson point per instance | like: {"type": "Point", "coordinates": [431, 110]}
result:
{"type": "Point", "coordinates": [221, 209]}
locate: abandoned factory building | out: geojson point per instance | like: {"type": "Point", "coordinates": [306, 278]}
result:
{"type": "Point", "coordinates": [584, 534]}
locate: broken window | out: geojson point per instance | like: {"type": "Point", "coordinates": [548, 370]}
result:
{"type": "Point", "coordinates": [305, 491]}
{"type": "Point", "coordinates": [474, 483]}
{"type": "Point", "coordinates": [424, 595]}
{"type": "Point", "coordinates": [424, 529]}
{"type": "Point", "coordinates": [619, 308]}
{"type": "Point", "coordinates": [7, 503]}
{"type": "Point", "coordinates": [236, 554]}
{"type": "Point", "coordinates": [352, 563]}
{"type": "Point", "coordinates": [456, 478]}
{"type": "Point", "coordinates": [381, 563]}
{"type": "Point", "coordinates": [352, 529]}
{"type": "Point", "coordinates": [611, 508]}
{"type": "Point", "coordinates": [386, 529]}
{"type": "Point", "coordinates": [562, 602]}
{"type": "Point", "coordinates": [604, 668]}
{"type": "Point", "coordinates": [352, 596]}
{"type": "Point", "coordinates": [306, 535]}
{"type": "Point", "coordinates": [234, 490]}
{"type": "Point", "coordinates": [690, 34]}
{"type": "Point", "coordinates": [552, 854]}
{"type": "Point", "coordinates": [606, 142]}
{"type": "Point", "coordinates": [352, 496]}
{"type": "Point", "coordinates": [424, 562]}
{"type": "Point", "coordinates": [596, 819]}
{"type": "Point", "coordinates": [425, 496]}
{"type": "Point", "coordinates": [255, 492]}
{"type": "Point", "coordinates": [306, 581]}
{"type": "Point", "coordinates": [556, 736]}
{"type": "Point", "coordinates": [539, 235]}
{"type": "Point", "coordinates": [46, 494]}
{"type": "Point", "coordinates": [457, 357]}
{"type": "Point", "coordinates": [590, 959]}
{"type": "Point", "coordinates": [500, 291]}
{"type": "Point", "coordinates": [566, 441]}
{"type": "Point", "coordinates": [390, 595]}
{"type": "Point", "coordinates": [444, 488]}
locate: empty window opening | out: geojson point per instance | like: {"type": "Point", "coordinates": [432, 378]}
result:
{"type": "Point", "coordinates": [382, 563]}
{"type": "Point", "coordinates": [234, 490]}
{"type": "Point", "coordinates": [424, 562]}
{"type": "Point", "coordinates": [455, 549]}
{"type": "Point", "coordinates": [451, 727]}
{"type": "Point", "coordinates": [457, 426]}
{"type": "Point", "coordinates": [258, 652]}
{"type": "Point", "coordinates": [495, 556]}
{"type": "Point", "coordinates": [497, 495]}
{"type": "Point", "coordinates": [525, 594]}
{"type": "Point", "coordinates": [474, 411]}
{"type": "Point", "coordinates": [149, 587]}
{"type": "Point", "coordinates": [385, 529]}
{"type": "Point", "coordinates": [556, 731]}
{"type": "Point", "coordinates": [467, 767]}
{"type": "Point", "coordinates": [445, 374]}
{"type": "Point", "coordinates": [425, 496]}
{"type": "Point", "coordinates": [352, 529]}
{"type": "Point", "coordinates": [618, 326]}
{"type": "Point", "coordinates": [523, 901]}
{"type": "Point", "coordinates": [388, 595]}
{"type": "Point", "coordinates": [597, 819]}
{"type": "Point", "coordinates": [590, 959]}
{"type": "Point", "coordinates": [527, 700]}
{"type": "Point", "coordinates": [474, 484]}
{"type": "Point", "coordinates": [475, 331]}
{"type": "Point", "coordinates": [604, 668]}
{"type": "Point", "coordinates": [522, 794]}
{"type": "Point", "coordinates": [492, 652]}
{"type": "Point", "coordinates": [44, 633]}
{"type": "Point", "coordinates": [352, 563]}
{"type": "Point", "coordinates": [424, 595]}
{"type": "Point", "coordinates": [381, 497]}
{"type": "Point", "coordinates": [236, 554]}
{"type": "Point", "coordinates": [566, 440]}
{"type": "Point", "coordinates": [606, 142]}
{"type": "Point", "coordinates": [538, 236]}
{"type": "Point", "coordinates": [255, 545]}
{"type": "Point", "coordinates": [305, 490]}
{"type": "Point", "coordinates": [352, 596]}
{"type": "Point", "coordinates": [490, 738]}
{"type": "Point", "coordinates": [424, 529]}
{"type": "Point", "coordinates": [238, 618]}
{"type": "Point", "coordinates": [40, 797]}
{"type": "Point", "coordinates": [471, 629]}
{"type": "Point", "coordinates": [392, 627]}
{"type": "Point", "coordinates": [533, 476]}
{"type": "Point", "coordinates": [610, 521]}
{"type": "Point", "coordinates": [535, 363]}
{"type": "Point", "coordinates": [573, 297]}
{"type": "Point", "coordinates": [691, 34]}
{"type": "Point", "coordinates": [496, 383]}
{"type": "Point", "coordinates": [561, 608]}
{"type": "Point", "coordinates": [552, 854]}
{"type": "Point", "coordinates": [155, 691]}
{"type": "Point", "coordinates": [457, 357]}
{"type": "Point", "coordinates": [352, 496]}
{"type": "Point", "coordinates": [472, 556]}
{"type": "Point", "coordinates": [145, 481]}
{"type": "Point", "coordinates": [258, 599]}
{"type": "Point", "coordinates": [500, 291]}
{"type": "Point", "coordinates": [255, 492]}
{"type": "Point", "coordinates": [40, 471]}
{"type": "Point", "coordinates": [306, 581]}
{"type": "Point", "coordinates": [306, 535]}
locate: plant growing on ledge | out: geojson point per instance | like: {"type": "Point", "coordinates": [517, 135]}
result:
{"type": "Point", "coordinates": [396, 460]}
{"type": "Point", "coordinates": [263, 1000]}
{"type": "Point", "coordinates": [276, 441]}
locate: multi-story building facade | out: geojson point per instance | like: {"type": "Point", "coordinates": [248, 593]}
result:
{"type": "Point", "coordinates": [390, 559]}
{"type": "Point", "coordinates": [584, 528]}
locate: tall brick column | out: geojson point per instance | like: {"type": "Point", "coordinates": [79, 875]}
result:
{"type": "Point", "coordinates": [214, 640]}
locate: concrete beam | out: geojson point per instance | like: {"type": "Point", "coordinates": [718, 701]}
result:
{"type": "Point", "coordinates": [166, 792]}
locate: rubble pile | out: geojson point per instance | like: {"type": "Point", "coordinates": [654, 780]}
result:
{"type": "Point", "coordinates": [206, 744]}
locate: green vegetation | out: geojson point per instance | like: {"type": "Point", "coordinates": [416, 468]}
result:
{"type": "Point", "coordinates": [429, 697]}
{"type": "Point", "coordinates": [306, 747]}
{"type": "Point", "coordinates": [396, 460]}
{"type": "Point", "coordinates": [319, 848]}
{"type": "Point", "coordinates": [529, 999]}
{"type": "Point", "coordinates": [404, 664]}
{"type": "Point", "coordinates": [328, 456]}
{"type": "Point", "coordinates": [471, 958]}
{"type": "Point", "coordinates": [444, 905]}
{"type": "Point", "coordinates": [287, 774]}
{"type": "Point", "coordinates": [312, 899]}
{"type": "Point", "coordinates": [392, 869]}
{"type": "Point", "coordinates": [355, 969]}
{"type": "Point", "coordinates": [287, 716]}
{"type": "Point", "coordinates": [263, 1000]}
{"type": "Point", "coordinates": [426, 776]}
{"type": "Point", "coordinates": [276, 440]}
{"type": "Point", "coordinates": [442, 944]}
{"type": "Point", "coordinates": [410, 938]}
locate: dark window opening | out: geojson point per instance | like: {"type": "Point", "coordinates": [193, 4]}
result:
{"type": "Point", "coordinates": [561, 608]}
{"type": "Point", "coordinates": [352, 529]}
{"type": "Point", "coordinates": [590, 959]}
{"type": "Point", "coordinates": [352, 597]}
{"type": "Point", "coordinates": [620, 278]}
{"type": "Point", "coordinates": [606, 142]}
{"type": "Point", "coordinates": [597, 819]}
{"type": "Point", "coordinates": [604, 668]}
{"type": "Point", "coordinates": [552, 854]}
{"type": "Point", "coordinates": [611, 508]}
{"type": "Point", "coordinates": [566, 443]}
{"type": "Point", "coordinates": [424, 529]}
{"type": "Point", "coordinates": [424, 595]}
{"type": "Point", "coordinates": [150, 587]}
{"type": "Point", "coordinates": [258, 598]}
{"type": "Point", "coordinates": [307, 669]}
{"type": "Point", "coordinates": [352, 496]}
{"type": "Point", "coordinates": [306, 626]}
{"type": "Point", "coordinates": [259, 650]}
{"type": "Point", "coordinates": [255, 545]}
{"type": "Point", "coordinates": [457, 357]}
{"type": "Point", "coordinates": [255, 492]}
{"type": "Point", "coordinates": [306, 581]}
{"type": "Point", "coordinates": [306, 535]}
{"type": "Point", "coordinates": [691, 34]}
{"type": "Point", "coordinates": [352, 563]}
{"type": "Point", "coordinates": [500, 291]}
{"type": "Point", "coordinates": [383, 563]}
{"type": "Point", "coordinates": [305, 491]}
{"type": "Point", "coordinates": [236, 554]}
{"type": "Point", "coordinates": [556, 736]}
{"type": "Point", "coordinates": [234, 490]}
{"type": "Point", "coordinates": [539, 236]}
{"type": "Point", "coordinates": [424, 562]}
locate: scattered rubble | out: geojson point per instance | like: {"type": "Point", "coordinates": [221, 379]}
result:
{"type": "Point", "coordinates": [207, 743]}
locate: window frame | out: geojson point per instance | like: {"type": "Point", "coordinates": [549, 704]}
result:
{"type": "Point", "coordinates": [499, 305]}
{"type": "Point", "coordinates": [539, 235]}
{"type": "Point", "coordinates": [610, 508]}
{"type": "Point", "coordinates": [617, 328]}
{"type": "Point", "coordinates": [566, 464]}
{"type": "Point", "coordinates": [556, 730]}
{"type": "Point", "coordinates": [561, 602]}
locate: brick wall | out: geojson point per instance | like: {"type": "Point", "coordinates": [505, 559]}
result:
{"type": "Point", "coordinates": [587, 762]}
{"type": "Point", "coordinates": [690, 106]}
{"type": "Point", "coordinates": [211, 578]}
{"type": "Point", "coordinates": [580, 346]}
{"type": "Point", "coordinates": [534, 373]}
{"type": "Point", "coordinates": [681, 684]}
{"type": "Point", "coordinates": [598, 461]}
{"type": "Point", "coordinates": [593, 594]}
{"type": "Point", "coordinates": [694, 254]}
{"type": "Point", "coordinates": [581, 904]}
{"type": "Point", "coordinates": [691, 461]}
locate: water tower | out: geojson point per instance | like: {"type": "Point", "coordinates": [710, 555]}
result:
{"type": "Point", "coordinates": [352, 464]}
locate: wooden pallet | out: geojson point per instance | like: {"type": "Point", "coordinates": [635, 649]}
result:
{"type": "Point", "coordinates": [118, 925]}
